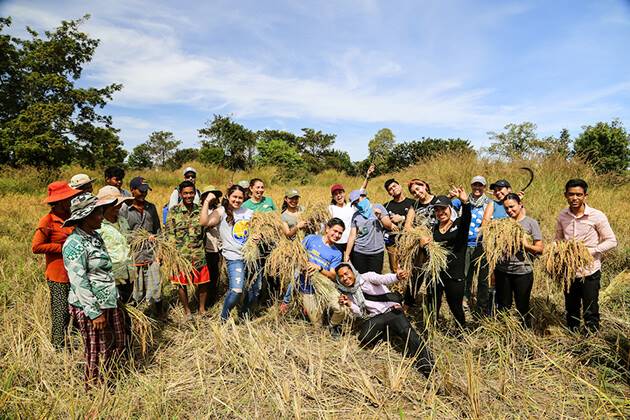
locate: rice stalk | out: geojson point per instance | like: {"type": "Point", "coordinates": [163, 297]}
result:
{"type": "Point", "coordinates": [430, 260]}
{"type": "Point", "coordinates": [502, 239]}
{"type": "Point", "coordinates": [141, 327]}
{"type": "Point", "coordinates": [267, 229]}
{"type": "Point", "coordinates": [316, 216]}
{"type": "Point", "coordinates": [325, 290]}
{"type": "Point", "coordinates": [562, 260]}
{"type": "Point", "coordinates": [164, 248]}
{"type": "Point", "coordinates": [286, 261]}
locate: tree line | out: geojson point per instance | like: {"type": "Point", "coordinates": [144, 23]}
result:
{"type": "Point", "coordinates": [48, 119]}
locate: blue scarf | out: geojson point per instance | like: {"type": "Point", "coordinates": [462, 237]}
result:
{"type": "Point", "coordinates": [364, 207]}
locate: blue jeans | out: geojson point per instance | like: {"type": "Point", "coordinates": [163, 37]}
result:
{"type": "Point", "coordinates": [237, 277]}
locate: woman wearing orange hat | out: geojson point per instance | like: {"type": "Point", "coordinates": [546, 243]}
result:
{"type": "Point", "coordinates": [49, 237]}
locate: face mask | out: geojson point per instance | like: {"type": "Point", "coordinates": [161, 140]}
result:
{"type": "Point", "coordinates": [364, 207]}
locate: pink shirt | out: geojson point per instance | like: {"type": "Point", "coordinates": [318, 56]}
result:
{"type": "Point", "coordinates": [592, 228]}
{"type": "Point", "coordinates": [375, 284]}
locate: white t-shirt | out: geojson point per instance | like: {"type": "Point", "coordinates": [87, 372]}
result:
{"type": "Point", "coordinates": [233, 236]}
{"type": "Point", "coordinates": [345, 213]}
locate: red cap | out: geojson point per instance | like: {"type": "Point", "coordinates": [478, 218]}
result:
{"type": "Point", "coordinates": [335, 187]}
{"type": "Point", "coordinates": [60, 190]}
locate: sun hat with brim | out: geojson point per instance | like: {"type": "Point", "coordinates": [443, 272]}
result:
{"type": "Point", "coordinates": [243, 184]}
{"type": "Point", "coordinates": [356, 194]}
{"type": "Point", "coordinates": [109, 192]}
{"type": "Point", "coordinates": [59, 191]}
{"type": "Point", "coordinates": [80, 180]}
{"type": "Point", "coordinates": [211, 188]}
{"type": "Point", "coordinates": [442, 201]}
{"type": "Point", "coordinates": [82, 206]}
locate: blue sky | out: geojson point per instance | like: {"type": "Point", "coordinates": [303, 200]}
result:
{"type": "Point", "coordinates": [440, 68]}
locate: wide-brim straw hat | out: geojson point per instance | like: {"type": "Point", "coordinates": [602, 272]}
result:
{"type": "Point", "coordinates": [211, 188]}
{"type": "Point", "coordinates": [59, 191]}
{"type": "Point", "coordinates": [82, 206]}
{"type": "Point", "coordinates": [109, 192]}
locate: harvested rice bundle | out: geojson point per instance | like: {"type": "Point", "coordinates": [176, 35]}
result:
{"type": "Point", "coordinates": [164, 248]}
{"type": "Point", "coordinates": [316, 215]}
{"type": "Point", "coordinates": [325, 290]}
{"type": "Point", "coordinates": [268, 228]}
{"type": "Point", "coordinates": [563, 259]}
{"type": "Point", "coordinates": [141, 327]}
{"type": "Point", "coordinates": [502, 239]}
{"type": "Point", "coordinates": [287, 259]}
{"type": "Point", "coordinates": [430, 260]}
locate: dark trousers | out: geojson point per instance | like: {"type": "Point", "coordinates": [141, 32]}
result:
{"type": "Point", "coordinates": [474, 260]}
{"type": "Point", "coordinates": [394, 325]}
{"type": "Point", "coordinates": [583, 294]}
{"type": "Point", "coordinates": [59, 314]}
{"type": "Point", "coordinates": [415, 280]}
{"type": "Point", "coordinates": [341, 248]}
{"type": "Point", "coordinates": [365, 263]}
{"type": "Point", "coordinates": [213, 262]}
{"type": "Point", "coordinates": [517, 287]}
{"type": "Point", "coordinates": [454, 290]}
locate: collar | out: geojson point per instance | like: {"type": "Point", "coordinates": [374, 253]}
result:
{"type": "Point", "coordinates": [587, 211]}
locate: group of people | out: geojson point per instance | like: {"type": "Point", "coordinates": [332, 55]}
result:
{"type": "Point", "coordinates": [91, 270]}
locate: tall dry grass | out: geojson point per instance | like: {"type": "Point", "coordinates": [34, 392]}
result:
{"type": "Point", "coordinates": [274, 367]}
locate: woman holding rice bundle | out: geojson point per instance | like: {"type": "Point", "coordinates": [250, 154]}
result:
{"type": "Point", "coordinates": [453, 235]}
{"type": "Point", "coordinates": [233, 222]}
{"type": "Point", "coordinates": [366, 246]}
{"type": "Point", "coordinates": [93, 298]}
{"type": "Point", "coordinates": [48, 239]}
{"type": "Point", "coordinates": [514, 277]}
{"type": "Point", "coordinates": [291, 213]}
{"type": "Point", "coordinates": [590, 226]}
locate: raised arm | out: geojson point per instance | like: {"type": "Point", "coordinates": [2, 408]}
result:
{"type": "Point", "coordinates": [213, 219]}
{"type": "Point", "coordinates": [487, 213]}
{"type": "Point", "coordinates": [369, 173]}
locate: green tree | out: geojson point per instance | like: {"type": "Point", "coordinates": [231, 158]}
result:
{"type": "Point", "coordinates": [162, 146]}
{"type": "Point", "coordinates": [180, 157]}
{"type": "Point", "coordinates": [278, 153]}
{"type": "Point", "coordinates": [605, 145]}
{"type": "Point", "coordinates": [381, 146]}
{"type": "Point", "coordinates": [559, 146]}
{"type": "Point", "coordinates": [290, 138]}
{"type": "Point", "coordinates": [339, 161]}
{"type": "Point", "coordinates": [44, 118]}
{"type": "Point", "coordinates": [518, 141]}
{"type": "Point", "coordinates": [99, 147]}
{"type": "Point", "coordinates": [411, 152]}
{"type": "Point", "coordinates": [140, 157]}
{"type": "Point", "coordinates": [237, 142]}
{"type": "Point", "coordinates": [211, 155]}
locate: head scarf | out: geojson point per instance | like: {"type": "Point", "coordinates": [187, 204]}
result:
{"type": "Point", "coordinates": [364, 207]}
{"type": "Point", "coordinates": [355, 290]}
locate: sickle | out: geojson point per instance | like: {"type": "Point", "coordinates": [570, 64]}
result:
{"type": "Point", "coordinates": [531, 177]}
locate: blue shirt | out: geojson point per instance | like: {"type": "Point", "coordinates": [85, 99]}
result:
{"type": "Point", "coordinates": [499, 211]}
{"type": "Point", "coordinates": [326, 256]}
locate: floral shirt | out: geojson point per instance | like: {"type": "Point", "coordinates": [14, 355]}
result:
{"type": "Point", "coordinates": [185, 227]}
{"type": "Point", "coordinates": [115, 238]}
{"type": "Point", "coordinates": [92, 285]}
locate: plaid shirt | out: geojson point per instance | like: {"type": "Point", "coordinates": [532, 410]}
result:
{"type": "Point", "coordinates": [92, 285]}
{"type": "Point", "coordinates": [185, 227]}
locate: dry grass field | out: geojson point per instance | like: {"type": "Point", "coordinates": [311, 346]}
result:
{"type": "Point", "coordinates": [276, 367]}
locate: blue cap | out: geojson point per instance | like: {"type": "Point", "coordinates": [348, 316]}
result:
{"type": "Point", "coordinates": [356, 194]}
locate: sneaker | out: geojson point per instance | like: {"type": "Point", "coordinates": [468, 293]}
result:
{"type": "Point", "coordinates": [335, 331]}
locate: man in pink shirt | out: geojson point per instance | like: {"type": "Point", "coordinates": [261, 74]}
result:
{"type": "Point", "coordinates": [586, 224]}
{"type": "Point", "coordinates": [380, 312]}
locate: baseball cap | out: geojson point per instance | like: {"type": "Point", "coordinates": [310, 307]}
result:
{"type": "Point", "coordinates": [442, 201]}
{"type": "Point", "coordinates": [356, 194]}
{"type": "Point", "coordinates": [291, 193]}
{"type": "Point", "coordinates": [478, 179]}
{"type": "Point", "coordinates": [336, 187]}
{"type": "Point", "coordinates": [501, 183]}
{"type": "Point", "coordinates": [79, 180]}
{"type": "Point", "coordinates": [140, 184]}
{"type": "Point", "coordinates": [189, 169]}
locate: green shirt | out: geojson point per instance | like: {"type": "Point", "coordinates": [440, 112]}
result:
{"type": "Point", "coordinates": [265, 205]}
{"type": "Point", "coordinates": [115, 238]}
{"type": "Point", "coordinates": [185, 227]}
{"type": "Point", "coordinates": [92, 285]}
